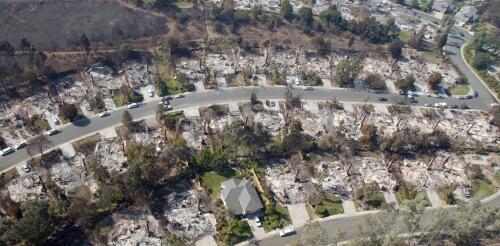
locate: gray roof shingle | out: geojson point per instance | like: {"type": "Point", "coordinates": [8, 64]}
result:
{"type": "Point", "coordinates": [239, 196]}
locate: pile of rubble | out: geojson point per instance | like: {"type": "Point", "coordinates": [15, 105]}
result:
{"type": "Point", "coordinates": [26, 187]}
{"type": "Point", "coordinates": [281, 179]}
{"type": "Point", "coordinates": [333, 177]}
{"type": "Point", "coordinates": [375, 170]}
{"type": "Point", "coordinates": [185, 219]}
{"type": "Point", "coordinates": [445, 168]}
{"type": "Point", "coordinates": [112, 155]}
{"type": "Point", "coordinates": [274, 121]}
{"type": "Point", "coordinates": [138, 74]}
{"type": "Point", "coordinates": [425, 68]}
{"type": "Point", "coordinates": [71, 91]}
{"type": "Point", "coordinates": [69, 173]}
{"type": "Point", "coordinates": [134, 228]}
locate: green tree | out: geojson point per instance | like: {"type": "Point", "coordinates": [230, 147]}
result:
{"type": "Point", "coordinates": [417, 41]}
{"type": "Point", "coordinates": [347, 71]}
{"type": "Point", "coordinates": [127, 119]}
{"type": "Point", "coordinates": [83, 213]}
{"type": "Point", "coordinates": [375, 81]}
{"type": "Point", "coordinates": [481, 60]}
{"type": "Point", "coordinates": [442, 39]}
{"type": "Point", "coordinates": [244, 139]}
{"type": "Point", "coordinates": [36, 224]}
{"type": "Point", "coordinates": [406, 84]}
{"type": "Point", "coordinates": [286, 10]}
{"type": "Point", "coordinates": [85, 43]}
{"type": "Point", "coordinates": [394, 48]}
{"type": "Point", "coordinates": [434, 81]}
{"type": "Point", "coordinates": [313, 234]}
{"type": "Point", "coordinates": [305, 16]}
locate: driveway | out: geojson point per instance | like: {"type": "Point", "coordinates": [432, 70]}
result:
{"type": "Point", "coordinates": [298, 214]}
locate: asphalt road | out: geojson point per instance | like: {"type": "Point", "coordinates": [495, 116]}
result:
{"type": "Point", "coordinates": [456, 39]}
{"type": "Point", "coordinates": [74, 131]}
{"type": "Point", "coordinates": [351, 224]}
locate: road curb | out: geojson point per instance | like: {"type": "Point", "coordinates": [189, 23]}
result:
{"type": "Point", "coordinates": [473, 70]}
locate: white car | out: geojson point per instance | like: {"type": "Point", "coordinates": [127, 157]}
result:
{"type": "Point", "coordinates": [151, 93]}
{"type": "Point", "coordinates": [52, 132]}
{"type": "Point", "coordinates": [179, 96]}
{"type": "Point", "coordinates": [287, 231]}
{"type": "Point", "coordinates": [20, 145]}
{"type": "Point", "coordinates": [6, 151]}
{"type": "Point", "coordinates": [257, 222]}
{"type": "Point", "coordinates": [308, 88]}
{"type": "Point", "coordinates": [104, 114]}
{"type": "Point", "coordinates": [133, 105]}
{"type": "Point", "coordinates": [25, 168]}
{"type": "Point", "coordinates": [493, 105]}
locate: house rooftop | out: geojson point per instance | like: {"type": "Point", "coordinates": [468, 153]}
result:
{"type": "Point", "coordinates": [239, 196]}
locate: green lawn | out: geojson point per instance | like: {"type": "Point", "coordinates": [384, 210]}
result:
{"type": "Point", "coordinates": [276, 216]}
{"type": "Point", "coordinates": [42, 124]}
{"type": "Point", "coordinates": [421, 195]}
{"type": "Point", "coordinates": [87, 145]}
{"type": "Point", "coordinates": [212, 181]}
{"type": "Point", "coordinates": [432, 57]}
{"type": "Point", "coordinates": [377, 202]}
{"type": "Point", "coordinates": [482, 189]}
{"type": "Point", "coordinates": [404, 36]}
{"type": "Point", "coordinates": [329, 205]}
{"type": "Point", "coordinates": [162, 66]}
{"type": "Point", "coordinates": [460, 90]}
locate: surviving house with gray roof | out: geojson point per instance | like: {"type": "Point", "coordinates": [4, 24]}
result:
{"type": "Point", "coordinates": [466, 15]}
{"type": "Point", "coordinates": [239, 196]}
{"type": "Point", "coordinates": [442, 6]}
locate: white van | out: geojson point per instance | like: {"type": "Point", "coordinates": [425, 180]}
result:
{"type": "Point", "coordinates": [6, 151]}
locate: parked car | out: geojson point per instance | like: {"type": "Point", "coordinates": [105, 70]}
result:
{"type": "Point", "coordinates": [133, 105]}
{"type": "Point", "coordinates": [20, 145]}
{"type": "Point", "coordinates": [287, 231]}
{"type": "Point", "coordinates": [167, 107]}
{"type": "Point", "coordinates": [465, 106]}
{"type": "Point", "coordinates": [25, 168]}
{"type": "Point", "coordinates": [151, 93]}
{"type": "Point", "coordinates": [52, 132]}
{"type": "Point", "coordinates": [179, 96]}
{"type": "Point", "coordinates": [382, 99]}
{"type": "Point", "coordinates": [461, 97]}
{"type": "Point", "coordinates": [454, 106]}
{"type": "Point", "coordinates": [104, 114]}
{"type": "Point", "coordinates": [6, 151]}
{"type": "Point", "coordinates": [493, 104]}
{"type": "Point", "coordinates": [166, 98]}
{"type": "Point", "coordinates": [428, 105]}
{"type": "Point", "coordinates": [257, 222]}
{"type": "Point", "coordinates": [468, 96]}
{"type": "Point", "coordinates": [307, 88]}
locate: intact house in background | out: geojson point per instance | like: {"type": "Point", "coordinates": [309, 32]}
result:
{"type": "Point", "coordinates": [442, 6]}
{"type": "Point", "coordinates": [240, 197]}
{"type": "Point", "coordinates": [466, 15]}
